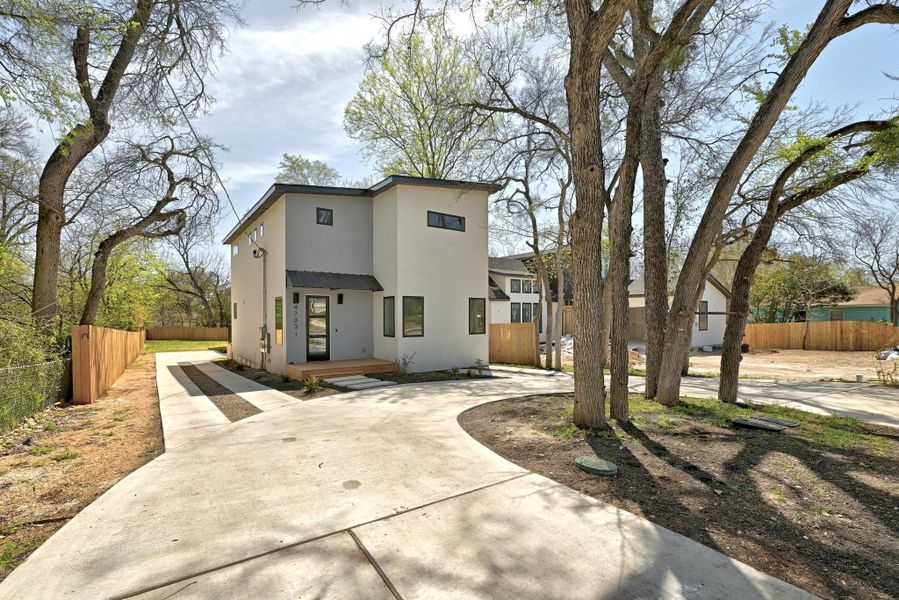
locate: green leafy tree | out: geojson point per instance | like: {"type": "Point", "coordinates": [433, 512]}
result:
{"type": "Point", "coordinates": [409, 111]}
{"type": "Point", "coordinates": [788, 292]}
{"type": "Point", "coordinates": [295, 168]}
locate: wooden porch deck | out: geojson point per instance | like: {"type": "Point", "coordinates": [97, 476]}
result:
{"type": "Point", "coordinates": [339, 368]}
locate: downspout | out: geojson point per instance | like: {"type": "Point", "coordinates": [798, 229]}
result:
{"type": "Point", "coordinates": [264, 349]}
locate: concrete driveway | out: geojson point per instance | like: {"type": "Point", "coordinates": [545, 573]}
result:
{"type": "Point", "coordinates": [374, 494]}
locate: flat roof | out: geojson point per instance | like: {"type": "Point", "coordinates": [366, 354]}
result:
{"type": "Point", "coordinates": [279, 189]}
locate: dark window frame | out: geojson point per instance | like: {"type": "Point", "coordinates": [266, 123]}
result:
{"type": "Point", "coordinates": [441, 221]}
{"type": "Point", "coordinates": [530, 316]}
{"type": "Point", "coordinates": [328, 212]}
{"type": "Point", "coordinates": [526, 286]}
{"type": "Point", "coordinates": [703, 315]}
{"type": "Point", "coordinates": [392, 313]}
{"type": "Point", "coordinates": [279, 320]}
{"type": "Point", "coordinates": [405, 299]}
{"type": "Point", "coordinates": [234, 312]}
{"type": "Point", "coordinates": [512, 307]}
{"type": "Point", "coordinates": [538, 315]}
{"type": "Point", "coordinates": [839, 311]}
{"type": "Point", "coordinates": [483, 302]}
{"type": "Point", "coordinates": [512, 283]}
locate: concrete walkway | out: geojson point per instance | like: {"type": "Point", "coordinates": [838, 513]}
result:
{"type": "Point", "coordinates": [864, 401]}
{"type": "Point", "coordinates": [372, 494]}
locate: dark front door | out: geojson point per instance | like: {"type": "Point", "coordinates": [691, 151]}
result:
{"type": "Point", "coordinates": [318, 345]}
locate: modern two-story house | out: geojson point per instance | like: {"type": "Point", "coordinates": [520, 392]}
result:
{"type": "Point", "coordinates": [515, 293]}
{"type": "Point", "coordinates": [395, 273]}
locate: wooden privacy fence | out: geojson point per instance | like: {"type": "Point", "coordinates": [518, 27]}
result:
{"type": "Point", "coordinates": [187, 333]}
{"type": "Point", "coordinates": [568, 320]}
{"type": "Point", "coordinates": [514, 343]}
{"type": "Point", "coordinates": [847, 336]}
{"type": "Point", "coordinates": [99, 357]}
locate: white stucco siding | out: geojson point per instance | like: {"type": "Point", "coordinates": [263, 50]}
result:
{"type": "Point", "coordinates": [500, 311]}
{"type": "Point", "coordinates": [344, 247]}
{"type": "Point", "coordinates": [504, 315]}
{"type": "Point", "coordinates": [247, 287]}
{"type": "Point", "coordinates": [349, 327]}
{"type": "Point", "coordinates": [714, 335]}
{"type": "Point", "coordinates": [445, 267]}
{"type": "Point", "coordinates": [384, 268]}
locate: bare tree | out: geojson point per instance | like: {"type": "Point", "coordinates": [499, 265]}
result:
{"type": "Point", "coordinates": [144, 59]}
{"type": "Point", "coordinates": [153, 190]}
{"type": "Point", "coordinates": [875, 247]}
{"type": "Point", "coordinates": [18, 179]}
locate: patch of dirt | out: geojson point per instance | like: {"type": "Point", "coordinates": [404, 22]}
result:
{"type": "Point", "coordinates": [232, 405]}
{"type": "Point", "coordinates": [289, 386]}
{"type": "Point", "coordinates": [61, 459]}
{"type": "Point", "coordinates": [796, 365]}
{"type": "Point", "coordinates": [824, 517]}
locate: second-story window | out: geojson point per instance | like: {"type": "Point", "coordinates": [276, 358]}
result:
{"type": "Point", "coordinates": [324, 216]}
{"type": "Point", "coordinates": [235, 250]}
{"type": "Point", "coordinates": [261, 229]}
{"type": "Point", "coordinates": [516, 286]}
{"type": "Point", "coordinates": [525, 286]}
{"type": "Point", "coordinates": [444, 221]}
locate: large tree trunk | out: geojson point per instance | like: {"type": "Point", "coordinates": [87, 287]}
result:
{"type": "Point", "coordinates": [655, 252]}
{"type": "Point", "coordinates": [616, 288]}
{"type": "Point", "coordinates": [98, 282]}
{"type": "Point", "coordinates": [75, 146]}
{"type": "Point", "coordinates": [829, 24]}
{"type": "Point", "coordinates": [560, 307]}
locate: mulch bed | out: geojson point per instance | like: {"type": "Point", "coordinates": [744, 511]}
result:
{"type": "Point", "coordinates": [291, 387]}
{"type": "Point", "coordinates": [232, 406]}
{"type": "Point", "coordinates": [428, 376]}
{"type": "Point", "coordinates": [61, 459]}
{"type": "Point", "coordinates": [816, 506]}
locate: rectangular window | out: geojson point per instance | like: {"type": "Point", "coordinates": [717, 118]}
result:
{"type": "Point", "coordinates": [324, 216]}
{"type": "Point", "coordinates": [261, 229]}
{"type": "Point", "coordinates": [253, 235]}
{"type": "Point", "coordinates": [234, 312]}
{"type": "Point", "coordinates": [836, 315]}
{"type": "Point", "coordinates": [538, 317]}
{"type": "Point", "coordinates": [279, 320]}
{"type": "Point", "coordinates": [477, 315]}
{"type": "Point", "coordinates": [235, 250]}
{"type": "Point", "coordinates": [389, 316]}
{"type": "Point", "coordinates": [516, 312]}
{"type": "Point", "coordinates": [516, 286]}
{"type": "Point", "coordinates": [703, 316]}
{"type": "Point", "coordinates": [525, 286]}
{"type": "Point", "coordinates": [526, 312]}
{"type": "Point", "coordinates": [413, 316]}
{"type": "Point", "coordinates": [296, 297]}
{"type": "Point", "coordinates": [444, 221]}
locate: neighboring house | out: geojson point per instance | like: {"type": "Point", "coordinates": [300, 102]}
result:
{"type": "Point", "coordinates": [710, 321]}
{"type": "Point", "coordinates": [392, 272]}
{"type": "Point", "coordinates": [515, 293]}
{"type": "Point", "coordinates": [508, 291]}
{"type": "Point", "coordinates": [871, 303]}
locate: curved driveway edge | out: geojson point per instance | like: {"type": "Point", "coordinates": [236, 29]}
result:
{"type": "Point", "coordinates": [374, 494]}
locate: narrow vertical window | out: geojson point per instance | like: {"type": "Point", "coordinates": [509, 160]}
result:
{"type": "Point", "coordinates": [477, 315]}
{"type": "Point", "coordinates": [703, 316]}
{"type": "Point", "coordinates": [235, 250]}
{"type": "Point", "coordinates": [516, 312]}
{"type": "Point", "coordinates": [389, 316]}
{"type": "Point", "coordinates": [526, 312]}
{"type": "Point", "coordinates": [516, 286]}
{"type": "Point", "coordinates": [538, 317]}
{"type": "Point", "coordinates": [279, 320]}
{"type": "Point", "coordinates": [234, 312]}
{"type": "Point", "coordinates": [261, 229]}
{"type": "Point", "coordinates": [413, 316]}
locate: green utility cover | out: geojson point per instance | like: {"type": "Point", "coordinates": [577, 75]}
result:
{"type": "Point", "coordinates": [596, 466]}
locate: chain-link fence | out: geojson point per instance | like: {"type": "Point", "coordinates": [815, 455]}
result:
{"type": "Point", "coordinates": [26, 389]}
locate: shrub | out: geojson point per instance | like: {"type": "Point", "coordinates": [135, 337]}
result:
{"type": "Point", "coordinates": [312, 384]}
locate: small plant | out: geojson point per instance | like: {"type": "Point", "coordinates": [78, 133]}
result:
{"type": "Point", "coordinates": [65, 455]}
{"type": "Point", "coordinates": [405, 363]}
{"type": "Point", "coordinates": [50, 426]}
{"type": "Point", "coordinates": [479, 365]}
{"type": "Point", "coordinates": [312, 384]}
{"type": "Point", "coordinates": [887, 372]}
{"type": "Point", "coordinates": [454, 371]}
{"type": "Point", "coordinates": [40, 450]}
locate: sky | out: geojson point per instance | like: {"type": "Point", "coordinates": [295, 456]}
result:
{"type": "Point", "coordinates": [282, 86]}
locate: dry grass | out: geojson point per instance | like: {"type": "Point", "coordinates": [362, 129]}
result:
{"type": "Point", "coordinates": [62, 459]}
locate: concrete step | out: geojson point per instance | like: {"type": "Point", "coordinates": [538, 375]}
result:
{"type": "Point", "coordinates": [346, 379]}
{"type": "Point", "coordinates": [370, 384]}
